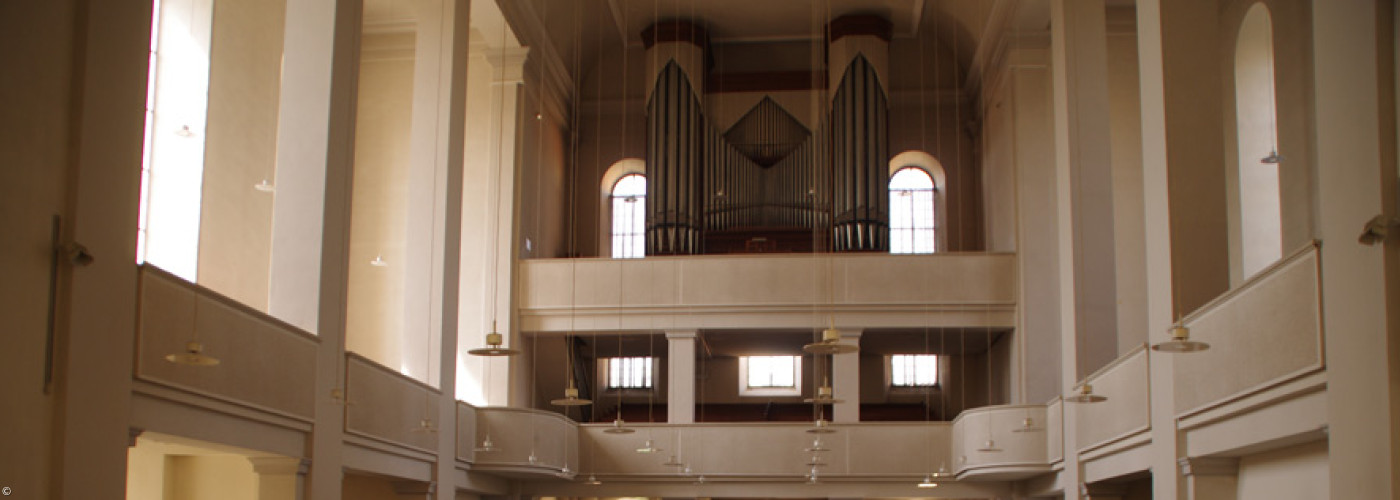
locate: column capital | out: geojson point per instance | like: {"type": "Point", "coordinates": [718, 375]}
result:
{"type": "Point", "coordinates": [280, 465]}
{"type": "Point", "coordinates": [1208, 466]}
{"type": "Point", "coordinates": [508, 64]}
{"type": "Point", "coordinates": [132, 433]}
{"type": "Point", "coordinates": [682, 334]}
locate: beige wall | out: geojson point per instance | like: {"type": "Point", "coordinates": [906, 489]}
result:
{"type": "Point", "coordinates": [383, 120]}
{"type": "Point", "coordinates": [211, 477]}
{"type": "Point", "coordinates": [1294, 473]}
{"type": "Point", "coordinates": [241, 149]}
{"type": "Point", "coordinates": [1125, 138]}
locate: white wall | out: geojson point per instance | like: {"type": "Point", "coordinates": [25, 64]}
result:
{"type": "Point", "coordinates": [1294, 473]}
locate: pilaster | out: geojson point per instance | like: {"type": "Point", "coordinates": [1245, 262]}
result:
{"type": "Point", "coordinates": [680, 377]}
{"type": "Point", "coordinates": [845, 380]}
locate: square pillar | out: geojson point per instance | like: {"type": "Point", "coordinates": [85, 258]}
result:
{"type": "Point", "coordinates": [1210, 478]}
{"type": "Point", "coordinates": [845, 380]}
{"type": "Point", "coordinates": [680, 377]}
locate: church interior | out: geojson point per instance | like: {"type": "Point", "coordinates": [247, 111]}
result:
{"type": "Point", "coordinates": [714, 249]}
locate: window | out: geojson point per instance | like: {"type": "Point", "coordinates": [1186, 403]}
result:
{"type": "Point", "coordinates": [913, 370]}
{"type": "Point", "coordinates": [770, 376]}
{"type": "Point", "coordinates": [630, 373]}
{"type": "Point", "coordinates": [629, 196]}
{"type": "Point", "coordinates": [911, 211]}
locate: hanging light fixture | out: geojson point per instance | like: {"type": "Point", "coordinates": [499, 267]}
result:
{"type": "Point", "coordinates": [486, 445]}
{"type": "Point", "coordinates": [592, 480]}
{"type": "Point", "coordinates": [571, 397]}
{"type": "Point", "coordinates": [1085, 394]}
{"type": "Point", "coordinates": [1027, 425]}
{"type": "Point", "coordinates": [817, 446]}
{"type": "Point", "coordinates": [830, 343]}
{"type": "Point", "coordinates": [1180, 341]}
{"type": "Point", "coordinates": [264, 187]}
{"type": "Point", "coordinates": [494, 345]}
{"type": "Point", "coordinates": [823, 396]}
{"type": "Point", "coordinates": [821, 426]}
{"type": "Point", "coordinates": [378, 261]}
{"type": "Point", "coordinates": [193, 355]}
{"type": "Point", "coordinates": [648, 447]}
{"type": "Point", "coordinates": [928, 482]}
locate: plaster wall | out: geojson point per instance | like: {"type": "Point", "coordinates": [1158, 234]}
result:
{"type": "Point", "coordinates": [241, 149]}
{"type": "Point", "coordinates": [211, 477]}
{"type": "Point", "coordinates": [1293, 473]}
{"type": "Point", "coordinates": [374, 326]}
{"type": "Point", "coordinates": [1125, 137]}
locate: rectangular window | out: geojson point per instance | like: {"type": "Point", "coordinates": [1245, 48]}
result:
{"type": "Point", "coordinates": [913, 370]}
{"type": "Point", "coordinates": [630, 373]}
{"type": "Point", "coordinates": [770, 376]}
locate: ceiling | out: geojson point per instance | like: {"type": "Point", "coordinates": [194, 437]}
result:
{"type": "Point", "coordinates": [578, 30]}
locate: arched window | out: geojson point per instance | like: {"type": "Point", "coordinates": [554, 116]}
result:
{"type": "Point", "coordinates": [911, 211]}
{"type": "Point", "coordinates": [1260, 233]}
{"type": "Point", "coordinates": [629, 196]}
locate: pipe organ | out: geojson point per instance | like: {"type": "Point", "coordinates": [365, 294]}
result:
{"type": "Point", "coordinates": [768, 172]}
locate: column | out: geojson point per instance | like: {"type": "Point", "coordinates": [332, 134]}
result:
{"type": "Point", "coordinates": [316, 142]}
{"type": "Point", "coordinates": [454, 17]}
{"type": "Point", "coordinates": [1210, 478]}
{"type": "Point", "coordinates": [676, 122]}
{"type": "Point", "coordinates": [91, 383]}
{"type": "Point", "coordinates": [857, 71]}
{"type": "Point", "coordinates": [1183, 194]}
{"type": "Point", "coordinates": [1084, 178]}
{"type": "Point", "coordinates": [845, 380]}
{"type": "Point", "coordinates": [280, 478]}
{"type": "Point", "coordinates": [1355, 182]}
{"type": "Point", "coordinates": [680, 377]}
{"type": "Point", "coordinates": [488, 197]}
{"type": "Point", "coordinates": [1079, 85]}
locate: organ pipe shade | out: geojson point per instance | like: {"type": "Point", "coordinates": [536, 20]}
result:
{"type": "Point", "coordinates": [859, 120]}
{"type": "Point", "coordinates": [675, 125]}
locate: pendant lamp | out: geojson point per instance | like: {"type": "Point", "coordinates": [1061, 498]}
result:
{"type": "Point", "coordinates": [1180, 341]}
{"type": "Point", "coordinates": [1086, 394]}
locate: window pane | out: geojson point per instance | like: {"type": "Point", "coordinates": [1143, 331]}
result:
{"type": "Point", "coordinates": [913, 370]}
{"type": "Point", "coordinates": [911, 211]}
{"type": "Point", "coordinates": [630, 373]}
{"type": "Point", "coordinates": [629, 216]}
{"type": "Point", "coordinates": [772, 371]}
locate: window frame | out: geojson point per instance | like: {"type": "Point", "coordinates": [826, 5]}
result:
{"type": "Point", "coordinates": [914, 227]}
{"type": "Point", "coordinates": [937, 375]}
{"type": "Point", "coordinates": [745, 390]}
{"type": "Point", "coordinates": [605, 368]}
{"type": "Point", "coordinates": [620, 240]}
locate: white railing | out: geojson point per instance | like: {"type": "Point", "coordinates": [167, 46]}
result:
{"type": "Point", "coordinates": [265, 364]}
{"type": "Point", "coordinates": [993, 441]}
{"type": "Point", "coordinates": [1265, 332]}
{"type": "Point", "coordinates": [1126, 412]}
{"type": "Point", "coordinates": [524, 440]}
{"type": "Point", "coordinates": [389, 407]}
{"type": "Point", "coordinates": [716, 291]}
